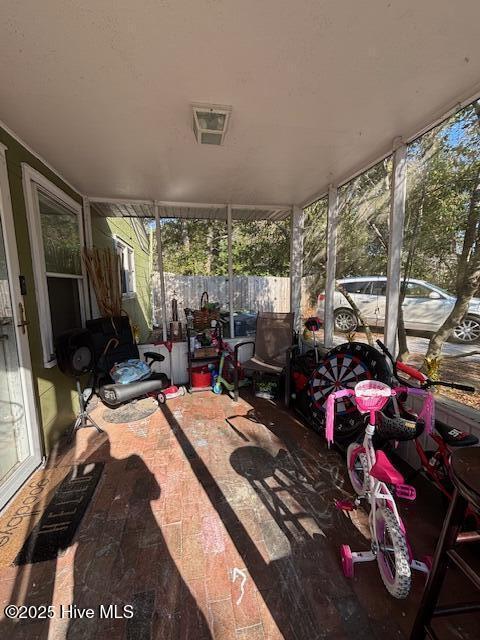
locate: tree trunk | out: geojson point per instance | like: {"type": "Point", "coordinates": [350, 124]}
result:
{"type": "Point", "coordinates": [468, 275]}
{"type": "Point", "coordinates": [357, 312]}
{"type": "Point", "coordinates": [209, 260]}
{"type": "Point", "coordinates": [456, 316]}
{"type": "Point", "coordinates": [185, 234]}
{"type": "Point", "coordinates": [403, 351]}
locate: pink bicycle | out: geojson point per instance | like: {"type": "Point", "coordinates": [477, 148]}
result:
{"type": "Point", "coordinates": [372, 474]}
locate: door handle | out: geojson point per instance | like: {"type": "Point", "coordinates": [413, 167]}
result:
{"type": "Point", "coordinates": [24, 321]}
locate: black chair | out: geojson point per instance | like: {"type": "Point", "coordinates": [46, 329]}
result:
{"type": "Point", "coordinates": [113, 342]}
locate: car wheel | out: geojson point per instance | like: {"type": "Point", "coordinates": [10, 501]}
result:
{"type": "Point", "coordinates": [345, 320]}
{"type": "Point", "coordinates": [468, 331]}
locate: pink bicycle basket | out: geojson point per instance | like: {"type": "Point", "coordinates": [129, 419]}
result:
{"type": "Point", "coordinates": [371, 395]}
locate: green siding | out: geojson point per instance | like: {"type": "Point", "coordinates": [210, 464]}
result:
{"type": "Point", "coordinates": [139, 306]}
{"type": "Point", "coordinates": [55, 397]}
{"type": "Point", "coordinates": [55, 394]}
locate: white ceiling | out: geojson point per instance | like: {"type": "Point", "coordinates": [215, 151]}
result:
{"type": "Point", "coordinates": [102, 89]}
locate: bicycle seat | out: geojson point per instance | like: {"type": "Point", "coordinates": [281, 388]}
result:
{"type": "Point", "coordinates": [455, 437]}
{"type": "Point", "coordinates": [384, 470]}
{"type": "Point", "coordinates": [399, 428]}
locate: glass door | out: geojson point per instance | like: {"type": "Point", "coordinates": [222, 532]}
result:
{"type": "Point", "coordinates": [19, 437]}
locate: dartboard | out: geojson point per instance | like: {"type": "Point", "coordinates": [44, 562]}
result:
{"type": "Point", "coordinates": [342, 368]}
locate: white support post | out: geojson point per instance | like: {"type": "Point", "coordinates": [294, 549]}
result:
{"type": "Point", "coordinates": [230, 269]}
{"type": "Point", "coordinates": [90, 298]}
{"type": "Point", "coordinates": [397, 219]}
{"type": "Point", "coordinates": [331, 260]}
{"type": "Point", "coordinates": [87, 217]}
{"type": "Point", "coordinates": [163, 304]}
{"type": "Point", "coordinates": [296, 265]}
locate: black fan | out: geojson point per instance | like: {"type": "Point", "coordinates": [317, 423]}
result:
{"type": "Point", "coordinates": [75, 357]}
{"type": "Point", "coordinates": [74, 350]}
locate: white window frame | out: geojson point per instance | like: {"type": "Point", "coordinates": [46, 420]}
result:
{"type": "Point", "coordinates": [33, 182]}
{"type": "Point", "coordinates": [129, 253]}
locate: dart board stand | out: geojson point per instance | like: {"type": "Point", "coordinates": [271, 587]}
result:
{"type": "Point", "coordinates": [342, 368]}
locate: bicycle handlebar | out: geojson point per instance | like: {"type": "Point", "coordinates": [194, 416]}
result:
{"type": "Point", "coordinates": [425, 381]}
{"type": "Point", "coordinates": [385, 350]}
{"type": "Point", "coordinates": [450, 385]}
{"type": "Point", "coordinates": [411, 371]}
{"type": "Point", "coordinates": [427, 412]}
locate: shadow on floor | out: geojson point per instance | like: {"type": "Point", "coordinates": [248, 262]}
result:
{"type": "Point", "coordinates": [121, 568]}
{"type": "Point", "coordinates": [216, 531]}
{"type": "Point", "coordinates": [301, 584]}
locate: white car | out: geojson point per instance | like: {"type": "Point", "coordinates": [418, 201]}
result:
{"type": "Point", "coordinates": [425, 307]}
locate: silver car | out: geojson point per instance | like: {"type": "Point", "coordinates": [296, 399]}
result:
{"type": "Point", "coordinates": [425, 307]}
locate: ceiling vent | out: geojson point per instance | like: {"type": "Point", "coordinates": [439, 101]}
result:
{"type": "Point", "coordinates": [210, 122]}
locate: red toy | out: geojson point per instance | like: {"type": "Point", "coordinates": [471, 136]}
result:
{"type": "Point", "coordinates": [170, 392]}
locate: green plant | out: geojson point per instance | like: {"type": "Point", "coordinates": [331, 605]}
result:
{"type": "Point", "coordinates": [432, 367]}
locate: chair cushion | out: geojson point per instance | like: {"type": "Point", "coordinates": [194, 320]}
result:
{"type": "Point", "coordinates": [256, 364]}
{"type": "Point", "coordinates": [273, 338]}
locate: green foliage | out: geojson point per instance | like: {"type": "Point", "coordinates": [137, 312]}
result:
{"type": "Point", "coordinates": [199, 247]}
{"type": "Point", "coordinates": [362, 235]}
{"type": "Point", "coordinates": [61, 243]}
{"type": "Point", "coordinates": [261, 248]}
{"type": "Point", "coordinates": [315, 248]}
{"type": "Point", "coordinates": [194, 247]}
{"type": "Point", "coordinates": [315, 239]}
{"type": "Point", "coordinates": [442, 168]}
{"type": "Point", "coordinates": [441, 171]}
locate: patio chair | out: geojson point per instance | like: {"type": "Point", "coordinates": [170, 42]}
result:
{"type": "Point", "coordinates": [113, 343]}
{"type": "Point", "coordinates": [272, 352]}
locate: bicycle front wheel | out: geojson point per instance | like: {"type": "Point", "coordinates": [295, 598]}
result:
{"type": "Point", "coordinates": [392, 554]}
{"type": "Point", "coordinates": [357, 467]}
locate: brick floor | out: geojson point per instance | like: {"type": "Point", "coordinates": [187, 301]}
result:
{"type": "Point", "coordinates": [216, 529]}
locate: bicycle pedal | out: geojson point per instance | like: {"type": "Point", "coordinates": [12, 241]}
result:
{"type": "Point", "coordinates": [405, 491]}
{"type": "Point", "coordinates": [345, 505]}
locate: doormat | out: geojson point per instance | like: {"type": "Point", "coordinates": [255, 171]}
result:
{"type": "Point", "coordinates": [131, 412]}
{"type": "Point", "coordinates": [56, 528]}
{"type": "Point", "coordinates": [25, 510]}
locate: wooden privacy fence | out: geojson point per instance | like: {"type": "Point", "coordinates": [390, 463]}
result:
{"type": "Point", "coordinates": [256, 293]}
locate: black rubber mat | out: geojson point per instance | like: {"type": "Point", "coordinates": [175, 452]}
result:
{"type": "Point", "coordinates": [56, 529]}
